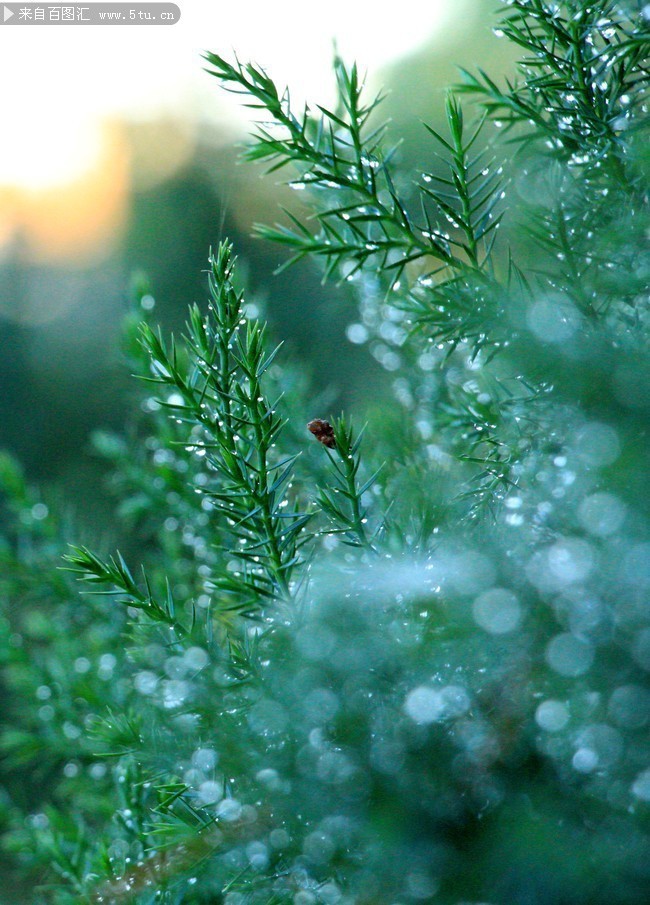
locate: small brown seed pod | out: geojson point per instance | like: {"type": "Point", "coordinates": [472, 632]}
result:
{"type": "Point", "coordinates": [323, 431]}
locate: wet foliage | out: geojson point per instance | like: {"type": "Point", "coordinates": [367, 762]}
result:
{"type": "Point", "coordinates": [400, 663]}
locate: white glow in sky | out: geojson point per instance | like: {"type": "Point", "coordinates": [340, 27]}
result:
{"type": "Point", "coordinates": [58, 83]}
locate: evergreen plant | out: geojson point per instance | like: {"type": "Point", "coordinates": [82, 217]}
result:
{"type": "Point", "coordinates": [403, 662]}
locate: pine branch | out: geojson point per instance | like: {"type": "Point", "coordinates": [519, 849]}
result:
{"type": "Point", "coordinates": [473, 188]}
{"type": "Point", "coordinates": [363, 223]}
{"type": "Point", "coordinates": [349, 517]}
{"type": "Point", "coordinates": [583, 86]}
{"type": "Point", "coordinates": [220, 393]}
{"type": "Point", "coordinates": [115, 573]}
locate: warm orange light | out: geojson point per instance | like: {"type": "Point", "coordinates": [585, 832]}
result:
{"type": "Point", "coordinates": [77, 221]}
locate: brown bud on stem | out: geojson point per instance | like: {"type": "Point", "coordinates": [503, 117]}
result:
{"type": "Point", "coordinates": [323, 431]}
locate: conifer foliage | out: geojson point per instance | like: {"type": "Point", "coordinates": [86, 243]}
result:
{"type": "Point", "coordinates": [407, 663]}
